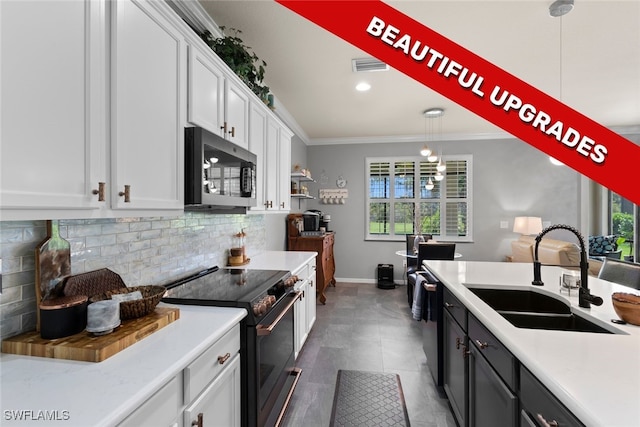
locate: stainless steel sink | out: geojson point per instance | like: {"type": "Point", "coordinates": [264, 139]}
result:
{"type": "Point", "coordinates": [532, 310]}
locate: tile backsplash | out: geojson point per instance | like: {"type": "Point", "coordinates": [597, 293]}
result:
{"type": "Point", "coordinates": [143, 251]}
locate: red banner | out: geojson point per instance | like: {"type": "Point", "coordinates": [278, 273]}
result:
{"type": "Point", "coordinates": [481, 87]}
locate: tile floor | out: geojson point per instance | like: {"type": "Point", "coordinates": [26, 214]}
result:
{"type": "Point", "coordinates": [362, 327]}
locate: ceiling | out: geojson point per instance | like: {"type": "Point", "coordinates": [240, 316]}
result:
{"type": "Point", "coordinates": [589, 59]}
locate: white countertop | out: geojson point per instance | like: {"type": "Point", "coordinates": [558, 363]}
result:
{"type": "Point", "coordinates": [102, 394]}
{"type": "Point", "coordinates": [596, 376]}
{"type": "Point", "coordinates": [279, 260]}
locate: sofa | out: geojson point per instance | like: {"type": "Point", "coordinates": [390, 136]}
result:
{"type": "Point", "coordinates": [550, 251]}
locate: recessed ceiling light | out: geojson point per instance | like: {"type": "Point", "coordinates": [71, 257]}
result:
{"type": "Point", "coordinates": [363, 86]}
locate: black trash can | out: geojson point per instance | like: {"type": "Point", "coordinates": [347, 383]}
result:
{"type": "Point", "coordinates": [385, 276]}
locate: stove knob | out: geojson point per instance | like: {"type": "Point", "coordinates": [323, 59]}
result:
{"type": "Point", "coordinates": [272, 299]}
{"type": "Point", "coordinates": [256, 309]}
{"type": "Point", "coordinates": [262, 308]}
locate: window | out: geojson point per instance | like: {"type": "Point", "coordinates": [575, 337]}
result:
{"type": "Point", "coordinates": [622, 223]}
{"type": "Point", "coordinates": [398, 202]}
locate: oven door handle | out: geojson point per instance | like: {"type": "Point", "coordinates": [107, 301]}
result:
{"type": "Point", "coordinates": [266, 330]}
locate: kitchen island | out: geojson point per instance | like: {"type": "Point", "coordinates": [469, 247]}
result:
{"type": "Point", "coordinates": [54, 392]}
{"type": "Point", "coordinates": [596, 376]}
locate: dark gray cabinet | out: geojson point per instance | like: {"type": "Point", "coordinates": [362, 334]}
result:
{"type": "Point", "coordinates": [454, 355]}
{"type": "Point", "coordinates": [492, 379]}
{"type": "Point", "coordinates": [491, 402]}
{"type": "Point", "coordinates": [542, 407]}
{"type": "Point", "coordinates": [485, 384]}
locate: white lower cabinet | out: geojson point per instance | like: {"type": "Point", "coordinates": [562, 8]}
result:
{"type": "Point", "coordinates": [159, 410]}
{"type": "Point", "coordinates": [305, 308]}
{"type": "Point", "coordinates": [205, 394]}
{"type": "Point", "coordinates": [219, 403]}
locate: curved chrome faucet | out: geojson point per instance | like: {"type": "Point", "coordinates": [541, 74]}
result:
{"type": "Point", "coordinates": [585, 299]}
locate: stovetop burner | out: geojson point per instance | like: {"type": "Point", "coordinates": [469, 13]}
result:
{"type": "Point", "coordinates": [241, 288]}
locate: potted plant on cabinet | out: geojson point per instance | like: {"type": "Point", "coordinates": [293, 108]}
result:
{"type": "Point", "coordinates": [241, 59]}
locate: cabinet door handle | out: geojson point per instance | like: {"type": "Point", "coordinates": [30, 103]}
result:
{"type": "Point", "coordinates": [449, 305]}
{"type": "Point", "coordinates": [232, 132]}
{"type": "Point", "coordinates": [282, 205]}
{"type": "Point", "coordinates": [458, 343]}
{"type": "Point", "coordinates": [100, 191]}
{"type": "Point", "coordinates": [545, 423]}
{"type": "Point", "coordinates": [222, 359]}
{"type": "Point", "coordinates": [269, 204]}
{"type": "Point", "coordinates": [224, 128]}
{"type": "Point", "coordinates": [126, 193]}
{"type": "Point", "coordinates": [482, 345]}
{"type": "Point", "coordinates": [198, 422]}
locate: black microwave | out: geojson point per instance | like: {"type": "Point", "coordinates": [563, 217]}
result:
{"type": "Point", "coordinates": [219, 175]}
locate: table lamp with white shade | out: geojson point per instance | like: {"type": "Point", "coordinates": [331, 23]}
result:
{"type": "Point", "coordinates": [527, 225]}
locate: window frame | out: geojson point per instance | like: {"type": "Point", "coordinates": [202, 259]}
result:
{"type": "Point", "coordinates": [416, 200]}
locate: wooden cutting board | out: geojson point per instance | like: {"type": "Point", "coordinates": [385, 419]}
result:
{"type": "Point", "coordinates": [88, 348]}
{"type": "Point", "coordinates": [53, 263]}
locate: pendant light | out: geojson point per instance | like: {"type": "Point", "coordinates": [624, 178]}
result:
{"type": "Point", "coordinates": [558, 9]}
{"type": "Point", "coordinates": [425, 151]}
{"type": "Point", "coordinates": [429, 185]}
{"type": "Point", "coordinates": [429, 114]}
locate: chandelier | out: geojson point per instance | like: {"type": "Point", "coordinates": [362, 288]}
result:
{"type": "Point", "coordinates": [429, 117]}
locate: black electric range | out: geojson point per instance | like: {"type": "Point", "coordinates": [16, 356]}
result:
{"type": "Point", "coordinates": [257, 291]}
{"type": "Point", "coordinates": [268, 372]}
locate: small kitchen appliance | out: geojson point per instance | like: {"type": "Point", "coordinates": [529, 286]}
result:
{"type": "Point", "coordinates": [324, 222]}
{"type": "Point", "coordinates": [219, 176]}
{"type": "Point", "coordinates": [311, 220]}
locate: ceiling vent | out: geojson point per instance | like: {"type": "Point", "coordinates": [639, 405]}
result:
{"type": "Point", "coordinates": [365, 65]}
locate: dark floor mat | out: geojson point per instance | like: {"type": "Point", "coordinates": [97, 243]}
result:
{"type": "Point", "coordinates": [368, 399]}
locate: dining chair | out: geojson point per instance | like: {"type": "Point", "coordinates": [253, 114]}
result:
{"type": "Point", "coordinates": [412, 264]}
{"type": "Point", "coordinates": [436, 251]}
{"type": "Point", "coordinates": [620, 272]}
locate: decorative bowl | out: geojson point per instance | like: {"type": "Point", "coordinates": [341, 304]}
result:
{"type": "Point", "coordinates": [627, 306]}
{"type": "Point", "coordinates": [151, 296]}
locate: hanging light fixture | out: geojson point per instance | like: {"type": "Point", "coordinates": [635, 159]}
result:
{"type": "Point", "coordinates": [431, 113]}
{"type": "Point", "coordinates": [429, 185]}
{"type": "Point", "coordinates": [425, 151]}
{"type": "Point", "coordinates": [558, 9]}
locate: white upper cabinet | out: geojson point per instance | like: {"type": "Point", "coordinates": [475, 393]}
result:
{"type": "Point", "coordinates": [91, 108]}
{"type": "Point", "coordinates": [237, 114]}
{"type": "Point", "coordinates": [284, 169]}
{"type": "Point", "coordinates": [278, 167]}
{"type": "Point", "coordinates": [53, 104]}
{"type": "Point", "coordinates": [147, 135]}
{"type": "Point", "coordinates": [216, 102]}
{"type": "Point", "coordinates": [206, 92]}
{"type": "Point", "coordinates": [257, 145]}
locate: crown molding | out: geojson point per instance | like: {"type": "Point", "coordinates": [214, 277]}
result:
{"type": "Point", "coordinates": [192, 12]}
{"type": "Point", "coordinates": [621, 130]}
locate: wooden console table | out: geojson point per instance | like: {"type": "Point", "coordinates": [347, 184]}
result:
{"type": "Point", "coordinates": [323, 245]}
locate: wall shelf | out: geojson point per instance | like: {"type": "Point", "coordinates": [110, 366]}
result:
{"type": "Point", "coordinates": [299, 177]}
